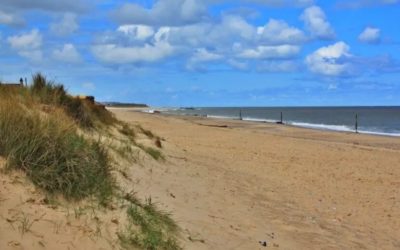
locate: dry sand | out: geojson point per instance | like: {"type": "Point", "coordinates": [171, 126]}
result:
{"type": "Point", "coordinates": [230, 188]}
{"type": "Point", "coordinates": [231, 184]}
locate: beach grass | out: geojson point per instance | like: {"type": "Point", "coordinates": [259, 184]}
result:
{"type": "Point", "coordinates": [85, 112]}
{"type": "Point", "coordinates": [148, 227]}
{"type": "Point", "coordinates": [51, 151]}
{"type": "Point", "coordinates": [44, 133]}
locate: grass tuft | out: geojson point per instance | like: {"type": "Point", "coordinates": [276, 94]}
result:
{"type": "Point", "coordinates": [127, 131]}
{"type": "Point", "coordinates": [148, 227]}
{"type": "Point", "coordinates": [154, 153]}
{"type": "Point", "coordinates": [48, 147]}
{"type": "Point", "coordinates": [85, 112]}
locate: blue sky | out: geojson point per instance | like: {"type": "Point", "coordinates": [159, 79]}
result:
{"type": "Point", "coordinates": [208, 53]}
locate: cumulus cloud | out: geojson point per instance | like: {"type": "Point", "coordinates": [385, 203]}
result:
{"type": "Point", "coordinates": [66, 25]}
{"type": "Point", "coordinates": [117, 54]}
{"type": "Point", "coordinates": [27, 41]}
{"type": "Point", "coordinates": [218, 35]}
{"type": "Point", "coordinates": [162, 13]}
{"type": "Point", "coordinates": [278, 32]}
{"type": "Point", "coordinates": [139, 32]}
{"type": "Point", "coordinates": [316, 22]}
{"type": "Point", "coordinates": [200, 56]}
{"type": "Point", "coordinates": [270, 52]}
{"type": "Point", "coordinates": [330, 60]}
{"type": "Point", "coordinates": [370, 35]}
{"type": "Point", "coordinates": [11, 19]}
{"type": "Point", "coordinates": [27, 45]}
{"type": "Point", "coordinates": [67, 53]}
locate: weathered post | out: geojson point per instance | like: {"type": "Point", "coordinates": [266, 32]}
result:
{"type": "Point", "coordinates": [356, 125]}
{"type": "Point", "coordinates": [281, 120]}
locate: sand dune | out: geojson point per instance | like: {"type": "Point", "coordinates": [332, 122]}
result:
{"type": "Point", "coordinates": [230, 185]}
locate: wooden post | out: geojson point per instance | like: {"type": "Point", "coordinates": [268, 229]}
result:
{"type": "Point", "coordinates": [356, 125]}
{"type": "Point", "coordinates": [240, 115]}
{"type": "Point", "coordinates": [281, 120]}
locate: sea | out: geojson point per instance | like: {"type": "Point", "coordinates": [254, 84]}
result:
{"type": "Point", "coordinates": [370, 120]}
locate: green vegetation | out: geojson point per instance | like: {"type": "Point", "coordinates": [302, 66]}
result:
{"type": "Point", "coordinates": [85, 112]}
{"type": "Point", "coordinates": [148, 227]}
{"type": "Point", "coordinates": [48, 134]}
{"type": "Point", "coordinates": [156, 154]}
{"type": "Point", "coordinates": [48, 147]}
{"type": "Point", "coordinates": [127, 131]}
{"type": "Point", "coordinates": [147, 132]}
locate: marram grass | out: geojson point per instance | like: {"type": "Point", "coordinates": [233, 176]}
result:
{"type": "Point", "coordinates": [49, 149]}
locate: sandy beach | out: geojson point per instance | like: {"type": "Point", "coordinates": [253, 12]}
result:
{"type": "Point", "coordinates": [231, 184]}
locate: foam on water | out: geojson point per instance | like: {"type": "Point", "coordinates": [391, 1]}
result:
{"type": "Point", "coordinates": [258, 120]}
{"type": "Point", "coordinates": [223, 117]}
{"type": "Point", "coordinates": [322, 126]}
{"type": "Point", "coordinates": [373, 120]}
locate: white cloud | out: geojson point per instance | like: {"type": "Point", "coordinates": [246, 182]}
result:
{"type": "Point", "coordinates": [202, 55]}
{"type": "Point", "coordinates": [162, 13]}
{"type": "Point", "coordinates": [28, 41]}
{"type": "Point", "coordinates": [66, 26]}
{"type": "Point", "coordinates": [330, 60]}
{"type": "Point", "coordinates": [117, 54]}
{"type": "Point", "coordinates": [278, 32]}
{"type": "Point", "coordinates": [370, 35]}
{"type": "Point", "coordinates": [10, 19]}
{"type": "Point", "coordinates": [139, 32]}
{"type": "Point", "coordinates": [315, 21]}
{"type": "Point", "coordinates": [67, 53]}
{"type": "Point", "coordinates": [270, 52]}
{"type": "Point", "coordinates": [215, 35]}
{"type": "Point", "coordinates": [237, 25]}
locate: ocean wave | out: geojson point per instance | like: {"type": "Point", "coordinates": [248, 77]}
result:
{"type": "Point", "coordinates": [379, 133]}
{"type": "Point", "coordinates": [223, 117]}
{"type": "Point", "coordinates": [328, 127]}
{"type": "Point", "coordinates": [150, 111]}
{"type": "Point", "coordinates": [341, 128]}
{"type": "Point", "coordinates": [258, 120]}
{"type": "Point", "coordinates": [322, 126]}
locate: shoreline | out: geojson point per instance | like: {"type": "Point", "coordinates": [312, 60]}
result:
{"type": "Point", "coordinates": [234, 183]}
{"type": "Point", "coordinates": [311, 126]}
